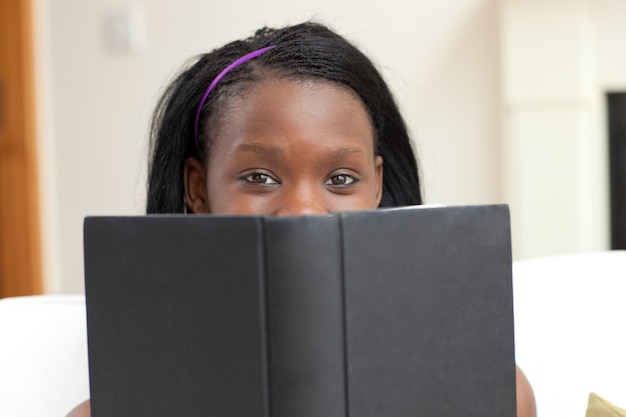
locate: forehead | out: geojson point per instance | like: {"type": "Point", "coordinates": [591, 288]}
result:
{"type": "Point", "coordinates": [318, 111]}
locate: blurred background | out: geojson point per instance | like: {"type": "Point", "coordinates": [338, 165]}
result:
{"type": "Point", "coordinates": [507, 101]}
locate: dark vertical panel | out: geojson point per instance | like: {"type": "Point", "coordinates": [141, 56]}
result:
{"type": "Point", "coordinates": [617, 167]}
{"type": "Point", "coordinates": [305, 317]}
{"type": "Point", "coordinates": [429, 313]}
{"type": "Point", "coordinates": [173, 312]}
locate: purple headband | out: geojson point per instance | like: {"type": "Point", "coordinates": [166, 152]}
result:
{"type": "Point", "coordinates": [217, 79]}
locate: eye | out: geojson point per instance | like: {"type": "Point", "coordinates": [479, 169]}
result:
{"type": "Point", "coordinates": [259, 178]}
{"type": "Point", "coordinates": [340, 180]}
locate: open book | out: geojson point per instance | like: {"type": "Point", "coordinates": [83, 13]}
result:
{"type": "Point", "coordinates": [368, 314]}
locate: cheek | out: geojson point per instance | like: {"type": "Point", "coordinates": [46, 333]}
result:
{"type": "Point", "coordinates": [221, 200]}
{"type": "Point", "coordinates": [240, 206]}
{"type": "Point", "coordinates": [230, 200]}
{"type": "Point", "coordinates": [353, 203]}
{"type": "Point", "coordinates": [367, 198]}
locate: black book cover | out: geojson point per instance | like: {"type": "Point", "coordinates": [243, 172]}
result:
{"type": "Point", "coordinates": [367, 314]}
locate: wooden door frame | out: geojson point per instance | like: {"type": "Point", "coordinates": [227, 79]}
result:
{"type": "Point", "coordinates": [20, 244]}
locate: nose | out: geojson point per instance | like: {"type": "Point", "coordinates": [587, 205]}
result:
{"type": "Point", "coordinates": [302, 201]}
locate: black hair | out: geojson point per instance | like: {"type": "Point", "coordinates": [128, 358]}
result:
{"type": "Point", "coordinates": [304, 51]}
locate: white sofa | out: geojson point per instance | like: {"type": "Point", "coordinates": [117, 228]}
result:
{"type": "Point", "coordinates": [570, 316]}
{"type": "Point", "coordinates": [43, 355]}
{"type": "Point", "coordinates": [570, 329]}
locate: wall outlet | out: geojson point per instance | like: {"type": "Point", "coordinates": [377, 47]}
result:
{"type": "Point", "coordinates": [125, 29]}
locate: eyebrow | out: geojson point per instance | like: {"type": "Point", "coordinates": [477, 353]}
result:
{"type": "Point", "coordinates": [259, 149]}
{"type": "Point", "coordinates": [339, 154]}
{"type": "Point", "coordinates": [332, 155]}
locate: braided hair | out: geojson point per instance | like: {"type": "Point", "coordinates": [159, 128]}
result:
{"type": "Point", "coordinates": [304, 51]}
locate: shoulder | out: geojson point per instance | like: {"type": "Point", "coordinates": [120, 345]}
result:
{"type": "Point", "coordinates": [526, 406]}
{"type": "Point", "coordinates": [81, 410]}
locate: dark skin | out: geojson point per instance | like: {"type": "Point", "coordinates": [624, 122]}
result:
{"type": "Point", "coordinates": [289, 148]}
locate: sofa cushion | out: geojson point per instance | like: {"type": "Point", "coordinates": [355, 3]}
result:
{"type": "Point", "coordinates": [599, 407]}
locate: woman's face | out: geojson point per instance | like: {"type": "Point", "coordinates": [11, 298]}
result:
{"type": "Point", "coordinates": [288, 147]}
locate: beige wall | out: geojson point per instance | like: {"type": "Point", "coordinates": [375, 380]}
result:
{"type": "Point", "coordinates": [559, 59]}
{"type": "Point", "coordinates": [442, 59]}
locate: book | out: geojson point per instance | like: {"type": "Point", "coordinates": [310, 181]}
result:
{"type": "Point", "coordinates": [366, 314]}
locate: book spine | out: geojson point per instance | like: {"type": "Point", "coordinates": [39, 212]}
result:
{"type": "Point", "coordinates": [305, 318]}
